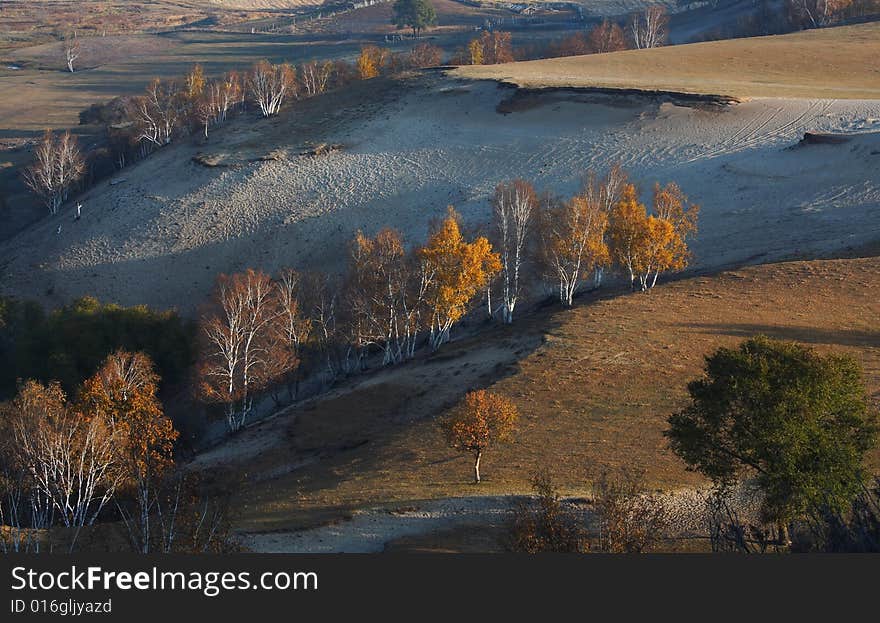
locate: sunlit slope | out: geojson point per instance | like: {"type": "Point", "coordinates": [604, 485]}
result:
{"type": "Point", "coordinates": [841, 62]}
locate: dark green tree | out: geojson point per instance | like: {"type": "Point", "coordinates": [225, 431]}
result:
{"type": "Point", "coordinates": [797, 422]}
{"type": "Point", "coordinates": [415, 14]}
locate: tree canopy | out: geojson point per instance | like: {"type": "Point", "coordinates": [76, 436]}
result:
{"type": "Point", "coordinates": [415, 14]}
{"type": "Point", "coordinates": [797, 422]}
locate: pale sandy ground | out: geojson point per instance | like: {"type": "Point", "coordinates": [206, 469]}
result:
{"type": "Point", "coordinates": [161, 235]}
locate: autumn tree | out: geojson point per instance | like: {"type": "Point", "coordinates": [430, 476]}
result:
{"type": "Point", "coordinates": [797, 422]}
{"type": "Point", "coordinates": [649, 28]}
{"type": "Point", "coordinates": [415, 14]}
{"type": "Point", "coordinates": [372, 61]}
{"type": "Point", "coordinates": [455, 271]}
{"type": "Point", "coordinates": [57, 166]}
{"type": "Point", "coordinates": [386, 292]}
{"type": "Point", "coordinates": [124, 392]}
{"type": "Point", "coordinates": [647, 245]}
{"type": "Point", "coordinates": [573, 238]}
{"type": "Point", "coordinates": [546, 524]}
{"type": "Point", "coordinates": [269, 85]}
{"type": "Point", "coordinates": [475, 52]}
{"type": "Point", "coordinates": [293, 324]}
{"type": "Point", "coordinates": [240, 353]}
{"type": "Point", "coordinates": [606, 37]}
{"type": "Point", "coordinates": [480, 421]}
{"type": "Point", "coordinates": [195, 83]}
{"type": "Point", "coordinates": [425, 55]}
{"type": "Point", "coordinates": [72, 457]}
{"type": "Point", "coordinates": [496, 47]}
{"type": "Point", "coordinates": [513, 208]}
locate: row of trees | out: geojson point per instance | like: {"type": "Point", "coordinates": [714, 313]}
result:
{"type": "Point", "coordinates": [171, 108]}
{"type": "Point", "coordinates": [69, 462]}
{"type": "Point", "coordinates": [603, 225]}
{"type": "Point", "coordinates": [64, 460]}
{"type": "Point", "coordinates": [646, 29]}
{"type": "Point", "coordinates": [256, 331]}
{"type": "Point", "coordinates": [69, 343]}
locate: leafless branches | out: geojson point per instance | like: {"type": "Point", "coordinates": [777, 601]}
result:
{"type": "Point", "coordinates": [58, 165]}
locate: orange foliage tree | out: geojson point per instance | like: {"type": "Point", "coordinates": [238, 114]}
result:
{"type": "Point", "coordinates": [455, 271]}
{"type": "Point", "coordinates": [647, 245]}
{"type": "Point", "coordinates": [606, 37]}
{"type": "Point", "coordinates": [372, 61]}
{"type": "Point", "coordinates": [481, 420]}
{"type": "Point", "coordinates": [123, 392]}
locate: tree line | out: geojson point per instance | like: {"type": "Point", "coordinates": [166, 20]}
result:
{"type": "Point", "coordinates": [256, 331]}
{"type": "Point", "coordinates": [105, 450]}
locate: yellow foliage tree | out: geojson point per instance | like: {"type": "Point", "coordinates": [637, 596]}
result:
{"type": "Point", "coordinates": [649, 245]}
{"type": "Point", "coordinates": [482, 419]}
{"type": "Point", "coordinates": [475, 52]}
{"type": "Point", "coordinates": [456, 271]}
{"type": "Point", "coordinates": [372, 61]}
{"type": "Point", "coordinates": [195, 83]}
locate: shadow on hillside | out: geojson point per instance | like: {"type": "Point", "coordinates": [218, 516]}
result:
{"type": "Point", "coordinates": [810, 335]}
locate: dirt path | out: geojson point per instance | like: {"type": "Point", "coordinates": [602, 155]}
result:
{"type": "Point", "coordinates": [369, 530]}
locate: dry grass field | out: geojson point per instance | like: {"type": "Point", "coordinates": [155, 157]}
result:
{"type": "Point", "coordinates": [29, 22]}
{"type": "Point", "coordinates": [594, 385]}
{"type": "Point", "coordinates": [838, 63]}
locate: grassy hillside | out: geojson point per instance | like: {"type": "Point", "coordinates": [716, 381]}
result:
{"type": "Point", "coordinates": [829, 63]}
{"type": "Point", "coordinates": [594, 385]}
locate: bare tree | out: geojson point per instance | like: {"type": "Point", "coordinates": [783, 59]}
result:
{"type": "Point", "coordinates": [649, 29]}
{"type": "Point", "coordinates": [513, 206]}
{"type": "Point", "coordinates": [58, 165]}
{"type": "Point", "coordinates": [315, 77]}
{"type": "Point", "coordinates": [238, 355]}
{"type": "Point", "coordinates": [815, 13]}
{"type": "Point", "coordinates": [157, 114]}
{"type": "Point", "coordinates": [71, 52]}
{"type": "Point", "coordinates": [269, 85]}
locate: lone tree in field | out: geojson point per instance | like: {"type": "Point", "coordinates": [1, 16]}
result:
{"type": "Point", "coordinates": [797, 422]}
{"type": "Point", "coordinates": [415, 14]}
{"type": "Point", "coordinates": [58, 165]}
{"type": "Point", "coordinates": [71, 52]}
{"type": "Point", "coordinates": [481, 420]}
